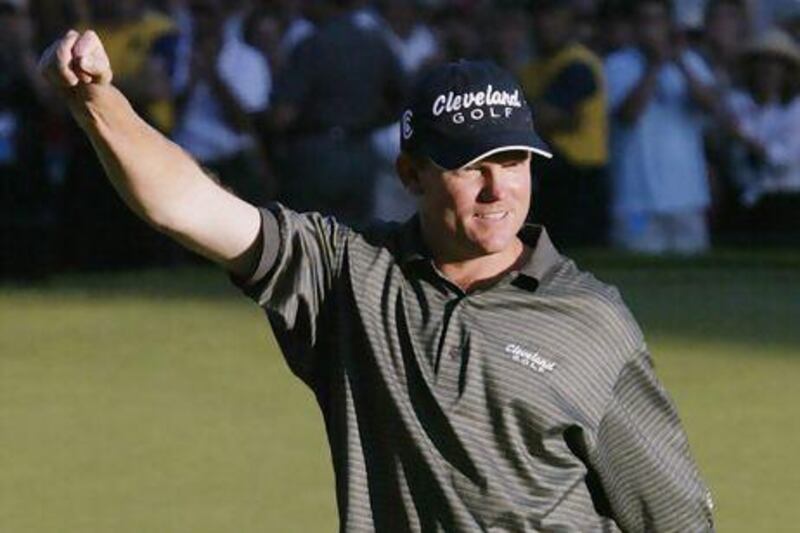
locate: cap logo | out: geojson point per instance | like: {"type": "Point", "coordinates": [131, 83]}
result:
{"type": "Point", "coordinates": [473, 104]}
{"type": "Point", "coordinates": [408, 130]}
{"type": "Point", "coordinates": [465, 110]}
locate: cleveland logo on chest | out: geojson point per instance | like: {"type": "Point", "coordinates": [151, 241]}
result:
{"type": "Point", "coordinates": [528, 359]}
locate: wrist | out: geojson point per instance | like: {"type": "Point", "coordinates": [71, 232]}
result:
{"type": "Point", "coordinates": [90, 104]}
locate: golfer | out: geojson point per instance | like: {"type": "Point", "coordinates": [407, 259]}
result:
{"type": "Point", "coordinates": [470, 377]}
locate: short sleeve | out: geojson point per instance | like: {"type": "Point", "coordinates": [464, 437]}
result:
{"type": "Point", "coordinates": [642, 457]}
{"type": "Point", "coordinates": [622, 72]}
{"type": "Point", "coordinates": [573, 85]}
{"type": "Point", "coordinates": [295, 279]}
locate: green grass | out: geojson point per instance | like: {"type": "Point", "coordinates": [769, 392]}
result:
{"type": "Point", "coordinates": [157, 401]}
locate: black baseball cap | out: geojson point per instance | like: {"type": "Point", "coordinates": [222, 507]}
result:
{"type": "Point", "coordinates": [464, 111]}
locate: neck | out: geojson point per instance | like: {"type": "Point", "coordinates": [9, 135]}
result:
{"type": "Point", "coordinates": [481, 271]}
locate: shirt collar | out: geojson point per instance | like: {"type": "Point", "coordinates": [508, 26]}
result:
{"type": "Point", "coordinates": [543, 258]}
{"type": "Point", "coordinates": [412, 246]}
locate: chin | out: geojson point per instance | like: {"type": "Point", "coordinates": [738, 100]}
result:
{"type": "Point", "coordinates": [494, 240]}
{"type": "Point", "coordinates": [492, 244]}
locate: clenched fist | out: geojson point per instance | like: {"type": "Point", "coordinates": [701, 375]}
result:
{"type": "Point", "coordinates": [76, 59]}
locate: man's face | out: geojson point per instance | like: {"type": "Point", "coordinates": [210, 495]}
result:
{"type": "Point", "coordinates": [553, 27]}
{"type": "Point", "coordinates": [115, 10]}
{"type": "Point", "coordinates": [206, 15]}
{"type": "Point", "coordinates": [726, 27]}
{"type": "Point", "coordinates": [476, 210]}
{"type": "Point", "coordinates": [653, 25]}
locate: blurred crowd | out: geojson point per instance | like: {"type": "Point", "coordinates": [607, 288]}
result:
{"type": "Point", "coordinates": [675, 124]}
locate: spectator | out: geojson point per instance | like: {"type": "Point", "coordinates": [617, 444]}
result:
{"type": "Point", "coordinates": [614, 17]}
{"type": "Point", "coordinates": [26, 196]}
{"type": "Point", "coordinates": [416, 46]}
{"type": "Point", "coordinates": [222, 84]}
{"type": "Point", "coordinates": [586, 23]}
{"type": "Point", "coordinates": [409, 36]}
{"type": "Point", "coordinates": [275, 28]}
{"type": "Point", "coordinates": [53, 18]}
{"type": "Point", "coordinates": [296, 28]}
{"type": "Point", "coordinates": [766, 155]}
{"type": "Point", "coordinates": [264, 31]}
{"type": "Point", "coordinates": [790, 20]}
{"type": "Point", "coordinates": [365, 15]}
{"type": "Point", "coordinates": [340, 85]}
{"type": "Point", "coordinates": [510, 48]}
{"type": "Point", "coordinates": [457, 34]}
{"type": "Point", "coordinates": [234, 14]}
{"type": "Point", "coordinates": [141, 42]}
{"type": "Point", "coordinates": [565, 84]}
{"type": "Point", "coordinates": [726, 29]}
{"type": "Point", "coordinates": [656, 91]}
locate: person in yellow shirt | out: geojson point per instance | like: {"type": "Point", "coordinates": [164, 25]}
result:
{"type": "Point", "coordinates": [141, 44]}
{"type": "Point", "coordinates": [565, 85]}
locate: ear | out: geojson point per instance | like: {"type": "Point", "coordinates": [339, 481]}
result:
{"type": "Point", "coordinates": [409, 174]}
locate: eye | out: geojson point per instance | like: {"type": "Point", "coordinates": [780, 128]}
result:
{"type": "Point", "coordinates": [512, 163]}
{"type": "Point", "coordinates": [468, 172]}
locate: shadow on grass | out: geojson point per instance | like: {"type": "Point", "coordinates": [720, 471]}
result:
{"type": "Point", "coordinates": [184, 282]}
{"type": "Point", "coordinates": [730, 295]}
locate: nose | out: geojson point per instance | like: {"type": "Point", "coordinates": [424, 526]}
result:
{"type": "Point", "coordinates": [494, 186]}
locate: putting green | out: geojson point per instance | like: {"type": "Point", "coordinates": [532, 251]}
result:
{"type": "Point", "coordinates": [158, 402]}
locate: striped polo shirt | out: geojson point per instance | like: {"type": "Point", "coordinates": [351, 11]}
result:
{"type": "Point", "coordinates": [528, 405]}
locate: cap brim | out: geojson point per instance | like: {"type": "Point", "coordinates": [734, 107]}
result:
{"type": "Point", "coordinates": [450, 154]}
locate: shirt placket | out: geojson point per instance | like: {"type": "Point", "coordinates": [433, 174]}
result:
{"type": "Point", "coordinates": [450, 354]}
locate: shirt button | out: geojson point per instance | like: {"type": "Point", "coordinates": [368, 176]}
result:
{"type": "Point", "coordinates": [454, 353]}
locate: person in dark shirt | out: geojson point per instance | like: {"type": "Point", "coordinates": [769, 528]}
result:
{"type": "Point", "coordinates": [26, 195]}
{"type": "Point", "coordinates": [565, 85]}
{"type": "Point", "coordinates": [137, 39]}
{"type": "Point", "coordinates": [339, 85]}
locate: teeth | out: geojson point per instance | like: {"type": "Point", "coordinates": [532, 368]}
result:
{"type": "Point", "coordinates": [493, 216]}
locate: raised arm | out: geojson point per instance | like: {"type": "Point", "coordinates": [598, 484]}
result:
{"type": "Point", "coordinates": [634, 104]}
{"type": "Point", "coordinates": [158, 180]}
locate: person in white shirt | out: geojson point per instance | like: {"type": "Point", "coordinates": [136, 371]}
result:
{"type": "Point", "coordinates": [766, 127]}
{"type": "Point", "coordinates": [223, 83]}
{"type": "Point", "coordinates": [416, 46]}
{"type": "Point", "coordinates": [657, 91]}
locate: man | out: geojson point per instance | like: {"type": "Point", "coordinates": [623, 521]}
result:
{"type": "Point", "coordinates": [338, 87]}
{"type": "Point", "coordinates": [470, 377]}
{"type": "Point", "coordinates": [138, 41]}
{"type": "Point", "coordinates": [566, 85]}
{"type": "Point", "coordinates": [657, 92]}
{"type": "Point", "coordinates": [26, 193]}
{"type": "Point", "coordinates": [223, 84]}
{"type": "Point", "coordinates": [727, 29]}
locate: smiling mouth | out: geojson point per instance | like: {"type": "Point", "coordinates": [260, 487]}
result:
{"type": "Point", "coordinates": [499, 215]}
